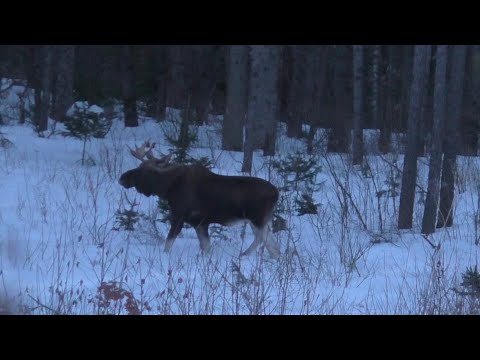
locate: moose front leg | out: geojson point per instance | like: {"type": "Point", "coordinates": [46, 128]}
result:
{"type": "Point", "coordinates": [202, 233]}
{"type": "Point", "coordinates": [260, 236]}
{"type": "Point", "coordinates": [175, 228]}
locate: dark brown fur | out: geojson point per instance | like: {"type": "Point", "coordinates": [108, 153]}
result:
{"type": "Point", "coordinates": [199, 197]}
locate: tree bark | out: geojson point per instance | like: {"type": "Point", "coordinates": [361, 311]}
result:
{"type": "Point", "coordinates": [357, 145]}
{"type": "Point", "coordinates": [262, 97]}
{"type": "Point", "coordinates": [339, 137]}
{"type": "Point", "coordinates": [284, 82]}
{"type": "Point", "coordinates": [425, 122]}
{"type": "Point", "coordinates": [128, 87]}
{"type": "Point", "coordinates": [298, 90]}
{"type": "Point", "coordinates": [319, 75]}
{"type": "Point", "coordinates": [454, 101]}
{"type": "Point", "coordinates": [43, 94]}
{"type": "Point", "coordinates": [219, 97]}
{"type": "Point", "coordinates": [203, 80]}
{"type": "Point", "coordinates": [375, 85]}
{"type": "Point", "coordinates": [406, 81]}
{"type": "Point", "coordinates": [407, 195]}
{"type": "Point", "coordinates": [248, 147]}
{"type": "Point", "coordinates": [431, 202]}
{"type": "Point", "coordinates": [262, 102]}
{"type": "Point", "coordinates": [34, 73]}
{"type": "Point", "coordinates": [271, 99]}
{"type": "Point", "coordinates": [237, 96]}
{"type": "Point", "coordinates": [469, 124]}
{"type": "Point", "coordinates": [63, 80]}
{"type": "Point", "coordinates": [161, 103]}
{"type": "Point", "coordinates": [387, 100]}
{"type": "Point", "coordinates": [176, 83]}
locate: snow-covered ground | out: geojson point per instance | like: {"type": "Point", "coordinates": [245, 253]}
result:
{"type": "Point", "coordinates": [62, 252]}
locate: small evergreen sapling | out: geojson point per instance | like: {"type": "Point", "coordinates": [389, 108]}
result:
{"type": "Point", "coordinates": [127, 218]}
{"type": "Point", "coordinates": [471, 280]}
{"type": "Point", "coordinates": [84, 122]}
{"type": "Point", "coordinates": [299, 174]}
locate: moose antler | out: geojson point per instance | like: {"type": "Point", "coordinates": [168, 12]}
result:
{"type": "Point", "coordinates": [146, 151]}
{"type": "Point", "coordinates": [142, 151]}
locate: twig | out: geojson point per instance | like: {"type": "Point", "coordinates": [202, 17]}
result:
{"type": "Point", "coordinates": [44, 306]}
{"type": "Point", "coordinates": [337, 181]}
{"type": "Point", "coordinates": [12, 84]}
{"type": "Point", "coordinates": [464, 293]}
{"type": "Point", "coordinates": [435, 247]}
{"type": "Point", "coordinates": [401, 172]}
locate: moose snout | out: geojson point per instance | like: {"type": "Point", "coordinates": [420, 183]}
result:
{"type": "Point", "coordinates": [124, 181]}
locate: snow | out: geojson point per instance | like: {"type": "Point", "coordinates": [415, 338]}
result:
{"type": "Point", "coordinates": [58, 245]}
{"type": "Point", "coordinates": [95, 109]}
{"type": "Point", "coordinates": [84, 105]}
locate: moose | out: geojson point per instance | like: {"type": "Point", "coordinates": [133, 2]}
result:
{"type": "Point", "coordinates": [199, 197]}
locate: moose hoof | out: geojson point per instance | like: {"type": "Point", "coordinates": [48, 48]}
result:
{"type": "Point", "coordinates": [274, 250]}
{"type": "Point", "coordinates": [206, 249]}
{"type": "Point", "coordinates": [245, 253]}
{"type": "Point", "coordinates": [168, 247]}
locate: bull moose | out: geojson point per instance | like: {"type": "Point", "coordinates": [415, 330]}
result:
{"type": "Point", "coordinates": [199, 197]}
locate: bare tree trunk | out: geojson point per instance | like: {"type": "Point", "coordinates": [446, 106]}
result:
{"type": "Point", "coordinates": [319, 75]}
{"type": "Point", "coordinates": [176, 83]}
{"type": "Point", "coordinates": [407, 195]}
{"type": "Point", "coordinates": [262, 97]}
{"type": "Point", "coordinates": [284, 81]}
{"type": "Point", "coordinates": [237, 97]}
{"type": "Point", "coordinates": [387, 100]}
{"type": "Point", "coordinates": [357, 145]}
{"type": "Point", "coordinates": [271, 99]}
{"type": "Point", "coordinates": [63, 80]}
{"type": "Point", "coordinates": [219, 97]}
{"type": "Point", "coordinates": [431, 202]}
{"type": "Point", "coordinates": [469, 125]}
{"type": "Point", "coordinates": [128, 87]}
{"type": "Point", "coordinates": [454, 101]}
{"type": "Point", "coordinates": [203, 80]}
{"type": "Point", "coordinates": [37, 98]}
{"type": "Point", "coordinates": [33, 70]}
{"type": "Point", "coordinates": [262, 102]}
{"type": "Point", "coordinates": [425, 122]}
{"type": "Point", "coordinates": [406, 81]}
{"type": "Point", "coordinates": [42, 95]}
{"type": "Point", "coordinates": [339, 137]}
{"type": "Point", "coordinates": [375, 84]}
{"type": "Point", "coordinates": [248, 147]}
{"type": "Point", "coordinates": [161, 103]}
{"type": "Point", "coordinates": [298, 90]}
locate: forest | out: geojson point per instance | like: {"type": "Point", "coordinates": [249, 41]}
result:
{"type": "Point", "coordinates": [370, 146]}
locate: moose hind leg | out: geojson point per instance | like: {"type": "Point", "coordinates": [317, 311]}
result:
{"type": "Point", "coordinates": [175, 229]}
{"type": "Point", "coordinates": [202, 233]}
{"type": "Point", "coordinates": [263, 235]}
{"type": "Point", "coordinates": [272, 247]}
